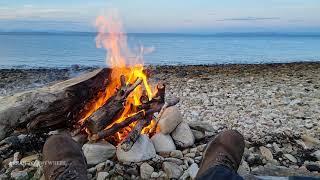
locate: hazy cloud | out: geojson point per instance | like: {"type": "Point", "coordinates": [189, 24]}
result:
{"type": "Point", "coordinates": [250, 19]}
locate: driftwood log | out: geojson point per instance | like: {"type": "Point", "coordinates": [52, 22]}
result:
{"type": "Point", "coordinates": [52, 107]}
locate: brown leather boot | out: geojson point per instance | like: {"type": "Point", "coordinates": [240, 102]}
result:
{"type": "Point", "coordinates": [225, 149]}
{"type": "Point", "coordinates": [63, 159]}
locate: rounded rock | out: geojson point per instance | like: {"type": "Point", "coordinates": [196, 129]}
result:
{"type": "Point", "coordinates": [170, 119]}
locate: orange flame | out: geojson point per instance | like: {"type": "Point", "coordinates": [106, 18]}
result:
{"type": "Point", "coordinates": [119, 58]}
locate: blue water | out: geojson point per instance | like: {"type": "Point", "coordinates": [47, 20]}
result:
{"type": "Point", "coordinates": [63, 50]}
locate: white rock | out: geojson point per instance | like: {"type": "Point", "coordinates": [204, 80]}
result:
{"type": "Point", "coordinates": [172, 170]}
{"type": "Point", "coordinates": [141, 150]}
{"type": "Point", "coordinates": [183, 136]}
{"type": "Point", "coordinates": [96, 153]}
{"type": "Point", "coordinates": [265, 152]}
{"type": "Point", "coordinates": [198, 135]}
{"type": "Point", "coordinates": [291, 158]}
{"type": "Point", "coordinates": [193, 170]}
{"type": "Point", "coordinates": [102, 175]}
{"type": "Point", "coordinates": [163, 143]}
{"type": "Point", "coordinates": [146, 170]}
{"type": "Point", "coordinates": [170, 119]}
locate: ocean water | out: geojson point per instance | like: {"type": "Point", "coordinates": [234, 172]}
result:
{"type": "Point", "coordinates": [25, 50]}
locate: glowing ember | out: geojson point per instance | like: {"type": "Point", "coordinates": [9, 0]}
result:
{"type": "Point", "coordinates": [119, 59]}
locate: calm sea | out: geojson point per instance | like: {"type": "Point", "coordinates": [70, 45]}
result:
{"type": "Point", "coordinates": [24, 50]}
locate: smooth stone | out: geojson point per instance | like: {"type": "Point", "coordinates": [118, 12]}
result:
{"type": "Point", "coordinates": [193, 150]}
{"type": "Point", "coordinates": [185, 151]}
{"type": "Point", "coordinates": [291, 158]}
{"type": "Point", "coordinates": [176, 154]}
{"type": "Point", "coordinates": [265, 152]}
{"type": "Point", "coordinates": [146, 170]}
{"type": "Point", "coordinates": [102, 175]}
{"type": "Point", "coordinates": [163, 142]}
{"type": "Point", "coordinates": [96, 153]}
{"type": "Point", "coordinates": [141, 150]}
{"type": "Point", "coordinates": [191, 155]}
{"type": "Point", "coordinates": [193, 170]}
{"type": "Point", "coordinates": [170, 119]}
{"type": "Point", "coordinates": [172, 170]}
{"type": "Point", "coordinates": [201, 126]}
{"type": "Point", "coordinates": [310, 141]}
{"type": "Point", "coordinates": [198, 135]}
{"type": "Point", "coordinates": [174, 160]}
{"type": "Point", "coordinates": [201, 147]}
{"type": "Point", "coordinates": [183, 136]}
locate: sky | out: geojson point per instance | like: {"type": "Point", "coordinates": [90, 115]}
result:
{"type": "Point", "coordinates": [163, 16]}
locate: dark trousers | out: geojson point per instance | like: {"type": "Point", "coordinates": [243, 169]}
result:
{"type": "Point", "coordinates": [220, 172]}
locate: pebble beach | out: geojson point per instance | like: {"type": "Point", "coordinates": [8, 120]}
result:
{"type": "Point", "coordinates": [275, 106]}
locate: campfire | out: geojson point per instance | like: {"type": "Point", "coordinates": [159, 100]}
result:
{"type": "Point", "coordinates": [126, 107]}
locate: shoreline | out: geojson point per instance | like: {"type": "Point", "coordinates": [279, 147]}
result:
{"type": "Point", "coordinates": [77, 67]}
{"type": "Point", "coordinates": [14, 80]}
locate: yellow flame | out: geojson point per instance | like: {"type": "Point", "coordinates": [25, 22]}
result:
{"type": "Point", "coordinates": [111, 37]}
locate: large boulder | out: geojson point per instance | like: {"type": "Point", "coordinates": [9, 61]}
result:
{"type": "Point", "coordinates": [183, 136]}
{"type": "Point", "coordinates": [163, 143]}
{"type": "Point", "coordinates": [170, 119]}
{"type": "Point", "coordinates": [141, 150]}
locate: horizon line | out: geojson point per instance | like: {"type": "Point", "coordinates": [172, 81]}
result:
{"type": "Point", "coordinates": [164, 33]}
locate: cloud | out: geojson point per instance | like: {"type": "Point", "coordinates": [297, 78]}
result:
{"type": "Point", "coordinates": [250, 19]}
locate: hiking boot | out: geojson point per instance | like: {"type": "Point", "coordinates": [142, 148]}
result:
{"type": "Point", "coordinates": [225, 149]}
{"type": "Point", "coordinates": [63, 159]}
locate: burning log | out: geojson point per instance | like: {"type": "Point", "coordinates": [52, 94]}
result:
{"type": "Point", "coordinates": [133, 136]}
{"type": "Point", "coordinates": [113, 107]}
{"type": "Point", "coordinates": [155, 107]}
